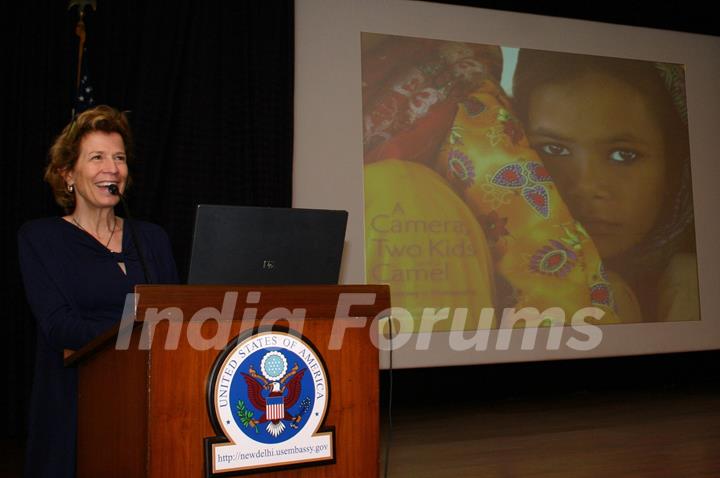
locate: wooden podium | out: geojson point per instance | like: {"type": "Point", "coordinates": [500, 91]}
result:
{"type": "Point", "coordinates": [145, 413]}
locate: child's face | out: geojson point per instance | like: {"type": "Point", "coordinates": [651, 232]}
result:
{"type": "Point", "coordinates": [605, 150]}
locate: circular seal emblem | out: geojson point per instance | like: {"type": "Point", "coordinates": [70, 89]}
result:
{"type": "Point", "coordinates": [268, 393]}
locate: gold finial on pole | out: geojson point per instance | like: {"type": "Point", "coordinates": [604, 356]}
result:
{"type": "Point", "coordinates": [80, 30]}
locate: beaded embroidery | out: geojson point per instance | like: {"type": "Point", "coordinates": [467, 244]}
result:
{"type": "Point", "coordinates": [554, 260]}
{"type": "Point", "coordinates": [526, 176]}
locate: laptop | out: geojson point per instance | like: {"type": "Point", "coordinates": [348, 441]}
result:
{"type": "Point", "coordinates": [266, 246]}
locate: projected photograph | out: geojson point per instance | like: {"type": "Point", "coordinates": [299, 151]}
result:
{"type": "Point", "coordinates": [501, 179]}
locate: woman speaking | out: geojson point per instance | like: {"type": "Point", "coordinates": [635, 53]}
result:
{"type": "Point", "coordinates": [77, 270]}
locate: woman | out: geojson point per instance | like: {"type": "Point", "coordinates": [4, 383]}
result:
{"type": "Point", "coordinates": [77, 270]}
{"type": "Point", "coordinates": [613, 135]}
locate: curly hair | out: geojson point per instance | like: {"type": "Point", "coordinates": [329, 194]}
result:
{"type": "Point", "coordinates": [65, 150]}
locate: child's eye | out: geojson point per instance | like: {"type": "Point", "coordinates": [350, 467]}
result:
{"type": "Point", "coordinates": [554, 150]}
{"type": "Point", "coordinates": [623, 156]}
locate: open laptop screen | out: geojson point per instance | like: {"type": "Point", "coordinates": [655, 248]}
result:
{"type": "Point", "coordinates": [266, 246]}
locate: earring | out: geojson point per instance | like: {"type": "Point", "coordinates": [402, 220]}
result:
{"type": "Point", "coordinates": [71, 188]}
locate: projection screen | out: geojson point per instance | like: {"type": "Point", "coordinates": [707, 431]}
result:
{"type": "Point", "coordinates": [571, 218]}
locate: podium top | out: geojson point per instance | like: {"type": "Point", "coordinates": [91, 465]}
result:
{"type": "Point", "coordinates": [232, 302]}
{"type": "Point", "coordinates": [319, 301]}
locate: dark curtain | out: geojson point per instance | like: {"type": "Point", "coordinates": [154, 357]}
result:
{"type": "Point", "coordinates": [209, 86]}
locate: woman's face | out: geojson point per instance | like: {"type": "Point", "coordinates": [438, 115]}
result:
{"type": "Point", "coordinates": [605, 151]}
{"type": "Point", "coordinates": [102, 161]}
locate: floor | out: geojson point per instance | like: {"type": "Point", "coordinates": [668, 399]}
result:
{"type": "Point", "coordinates": [656, 432]}
{"type": "Point", "coordinates": [11, 451]}
{"type": "Point", "coordinates": [648, 433]}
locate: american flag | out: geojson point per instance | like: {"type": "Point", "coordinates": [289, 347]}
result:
{"type": "Point", "coordinates": [84, 97]}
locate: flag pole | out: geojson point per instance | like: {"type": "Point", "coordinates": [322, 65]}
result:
{"type": "Point", "coordinates": [80, 32]}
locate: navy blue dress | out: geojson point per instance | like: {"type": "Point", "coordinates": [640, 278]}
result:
{"type": "Point", "coordinates": [76, 291]}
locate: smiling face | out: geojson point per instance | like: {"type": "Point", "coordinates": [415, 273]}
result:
{"type": "Point", "coordinates": [101, 161]}
{"type": "Point", "coordinates": [605, 149]}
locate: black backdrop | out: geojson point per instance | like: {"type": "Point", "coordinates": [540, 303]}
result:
{"type": "Point", "coordinates": [209, 85]}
